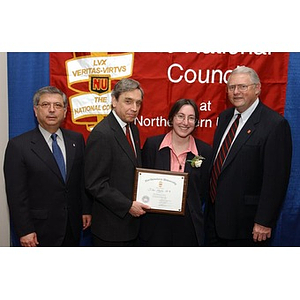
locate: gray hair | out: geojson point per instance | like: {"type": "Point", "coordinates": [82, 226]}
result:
{"type": "Point", "coordinates": [126, 85]}
{"type": "Point", "coordinates": [49, 90]}
{"type": "Point", "coordinates": [246, 70]}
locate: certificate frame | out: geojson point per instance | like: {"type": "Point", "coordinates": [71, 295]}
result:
{"type": "Point", "coordinates": [155, 186]}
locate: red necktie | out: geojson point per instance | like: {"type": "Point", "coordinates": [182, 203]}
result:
{"type": "Point", "coordinates": [221, 158]}
{"type": "Point", "coordinates": [129, 138]}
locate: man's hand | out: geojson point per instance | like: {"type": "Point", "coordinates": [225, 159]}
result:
{"type": "Point", "coordinates": [261, 233]}
{"type": "Point", "coordinates": [138, 209]}
{"type": "Point", "coordinates": [29, 240]}
{"type": "Point", "coordinates": [87, 221]}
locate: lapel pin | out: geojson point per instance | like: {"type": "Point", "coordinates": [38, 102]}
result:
{"type": "Point", "coordinates": [249, 131]}
{"type": "Point", "coordinates": [73, 145]}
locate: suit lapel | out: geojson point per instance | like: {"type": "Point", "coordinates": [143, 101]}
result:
{"type": "Point", "coordinates": [70, 145]}
{"type": "Point", "coordinates": [40, 147]}
{"type": "Point", "coordinates": [188, 166]}
{"type": "Point", "coordinates": [121, 138]}
{"type": "Point", "coordinates": [247, 130]}
{"type": "Point", "coordinates": [136, 140]}
{"type": "Point", "coordinates": [165, 158]}
{"type": "Point", "coordinates": [220, 131]}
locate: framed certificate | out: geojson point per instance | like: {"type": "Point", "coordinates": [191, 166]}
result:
{"type": "Point", "coordinates": [164, 191]}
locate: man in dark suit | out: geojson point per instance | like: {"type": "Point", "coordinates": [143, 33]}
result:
{"type": "Point", "coordinates": [48, 207]}
{"type": "Point", "coordinates": [110, 163]}
{"type": "Point", "coordinates": [249, 186]}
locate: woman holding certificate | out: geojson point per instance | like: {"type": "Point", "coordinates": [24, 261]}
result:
{"type": "Point", "coordinates": [179, 151]}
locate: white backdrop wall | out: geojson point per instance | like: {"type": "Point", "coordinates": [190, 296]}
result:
{"type": "Point", "coordinates": [4, 216]}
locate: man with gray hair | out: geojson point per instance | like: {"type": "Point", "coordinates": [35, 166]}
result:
{"type": "Point", "coordinates": [43, 171]}
{"type": "Point", "coordinates": [252, 152]}
{"type": "Point", "coordinates": [112, 154]}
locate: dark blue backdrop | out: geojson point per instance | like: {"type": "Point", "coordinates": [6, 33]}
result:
{"type": "Point", "coordinates": [27, 72]}
{"type": "Point", "coordinates": [288, 226]}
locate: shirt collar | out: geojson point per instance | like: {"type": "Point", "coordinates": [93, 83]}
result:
{"type": "Point", "coordinates": [247, 113]}
{"type": "Point", "coordinates": [121, 123]}
{"type": "Point", "coordinates": [47, 135]}
{"type": "Point", "coordinates": [167, 142]}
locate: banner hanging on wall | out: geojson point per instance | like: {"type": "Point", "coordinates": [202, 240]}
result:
{"type": "Point", "coordinates": [88, 78]}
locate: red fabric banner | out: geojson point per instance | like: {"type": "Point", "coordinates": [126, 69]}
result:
{"type": "Point", "coordinates": [88, 78]}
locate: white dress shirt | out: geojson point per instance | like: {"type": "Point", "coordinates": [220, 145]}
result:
{"type": "Point", "coordinates": [244, 118]}
{"type": "Point", "coordinates": [60, 140]}
{"type": "Point", "coordinates": [123, 126]}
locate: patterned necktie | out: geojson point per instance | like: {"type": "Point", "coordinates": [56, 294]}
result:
{"type": "Point", "coordinates": [129, 138]}
{"type": "Point", "coordinates": [58, 156]}
{"type": "Point", "coordinates": [221, 157]}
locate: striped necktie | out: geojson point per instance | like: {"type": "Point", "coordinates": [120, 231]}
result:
{"type": "Point", "coordinates": [219, 161]}
{"type": "Point", "coordinates": [58, 156]}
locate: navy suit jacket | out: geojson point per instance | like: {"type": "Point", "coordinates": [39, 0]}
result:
{"type": "Point", "coordinates": [109, 177]}
{"type": "Point", "coordinates": [39, 199]}
{"type": "Point", "coordinates": [254, 178]}
{"type": "Point", "coordinates": [197, 193]}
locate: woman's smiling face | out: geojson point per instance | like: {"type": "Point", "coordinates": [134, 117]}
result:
{"type": "Point", "coordinates": [184, 121]}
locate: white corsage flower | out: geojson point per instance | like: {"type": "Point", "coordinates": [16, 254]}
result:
{"type": "Point", "coordinates": [197, 161]}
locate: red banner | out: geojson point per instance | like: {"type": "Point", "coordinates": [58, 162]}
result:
{"type": "Point", "coordinates": [88, 78]}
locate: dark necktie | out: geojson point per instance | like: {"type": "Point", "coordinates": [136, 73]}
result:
{"type": "Point", "coordinates": [221, 158]}
{"type": "Point", "coordinates": [58, 156]}
{"type": "Point", "coordinates": [129, 138]}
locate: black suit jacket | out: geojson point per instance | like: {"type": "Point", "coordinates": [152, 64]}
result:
{"type": "Point", "coordinates": [254, 179]}
{"type": "Point", "coordinates": [39, 199]}
{"type": "Point", "coordinates": [198, 182]}
{"type": "Point", "coordinates": [109, 177]}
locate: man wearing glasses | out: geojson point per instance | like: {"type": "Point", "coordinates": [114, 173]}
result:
{"type": "Point", "coordinates": [252, 152]}
{"type": "Point", "coordinates": [43, 171]}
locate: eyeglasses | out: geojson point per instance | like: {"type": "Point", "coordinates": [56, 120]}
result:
{"type": "Point", "coordinates": [56, 105]}
{"type": "Point", "coordinates": [182, 117]}
{"type": "Point", "coordinates": [240, 87]}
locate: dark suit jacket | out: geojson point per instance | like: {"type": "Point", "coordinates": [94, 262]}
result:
{"type": "Point", "coordinates": [254, 179]}
{"type": "Point", "coordinates": [109, 177]}
{"type": "Point", "coordinates": [198, 182]}
{"type": "Point", "coordinates": [39, 199]}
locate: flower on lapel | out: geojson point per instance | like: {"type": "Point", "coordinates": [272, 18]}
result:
{"type": "Point", "coordinates": [197, 161]}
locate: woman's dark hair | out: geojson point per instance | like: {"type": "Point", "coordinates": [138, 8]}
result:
{"type": "Point", "coordinates": [177, 106]}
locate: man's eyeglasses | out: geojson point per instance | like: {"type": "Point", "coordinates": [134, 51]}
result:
{"type": "Point", "coordinates": [240, 87]}
{"type": "Point", "coordinates": [56, 105]}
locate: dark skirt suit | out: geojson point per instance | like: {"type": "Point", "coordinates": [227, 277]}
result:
{"type": "Point", "coordinates": [176, 230]}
